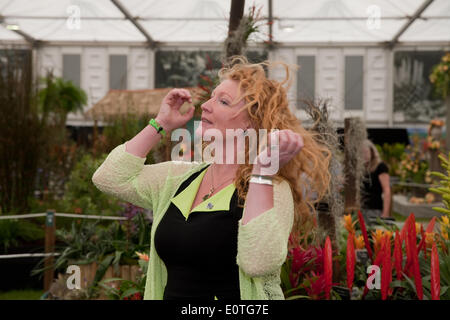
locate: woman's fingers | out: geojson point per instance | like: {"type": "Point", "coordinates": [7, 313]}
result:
{"type": "Point", "coordinates": [183, 94]}
{"type": "Point", "coordinates": [290, 143]}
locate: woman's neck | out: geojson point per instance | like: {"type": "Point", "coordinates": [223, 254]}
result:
{"type": "Point", "coordinates": [224, 171]}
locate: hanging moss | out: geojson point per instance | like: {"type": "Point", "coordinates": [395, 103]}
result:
{"type": "Point", "coordinates": [332, 205]}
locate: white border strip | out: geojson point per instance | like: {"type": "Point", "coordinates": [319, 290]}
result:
{"type": "Point", "coordinates": [27, 255]}
{"type": "Point", "coordinates": [70, 215]}
{"type": "Point", "coordinates": [21, 216]}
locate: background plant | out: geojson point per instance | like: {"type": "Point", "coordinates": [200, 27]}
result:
{"type": "Point", "coordinates": [128, 289]}
{"type": "Point", "coordinates": [60, 97]}
{"type": "Point", "coordinates": [440, 76]}
{"type": "Point", "coordinates": [413, 165]}
{"type": "Point", "coordinates": [23, 131]}
{"type": "Point", "coordinates": [12, 232]}
{"type": "Point", "coordinates": [392, 154]}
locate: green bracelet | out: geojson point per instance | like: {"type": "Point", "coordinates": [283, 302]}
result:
{"type": "Point", "coordinates": [158, 128]}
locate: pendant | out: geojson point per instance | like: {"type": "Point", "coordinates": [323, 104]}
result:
{"type": "Point", "coordinates": [206, 196]}
{"type": "Point", "coordinates": [210, 206]}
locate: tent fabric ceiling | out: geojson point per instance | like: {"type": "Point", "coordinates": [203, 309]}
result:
{"type": "Point", "coordinates": [206, 21]}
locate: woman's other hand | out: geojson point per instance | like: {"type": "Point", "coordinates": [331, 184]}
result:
{"type": "Point", "coordinates": [169, 116]}
{"type": "Point", "coordinates": [290, 143]}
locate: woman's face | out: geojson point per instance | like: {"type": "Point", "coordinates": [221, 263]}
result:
{"type": "Point", "coordinates": [366, 154]}
{"type": "Point", "coordinates": [220, 113]}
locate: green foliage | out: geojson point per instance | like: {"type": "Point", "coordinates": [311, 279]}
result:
{"type": "Point", "coordinates": [440, 77]}
{"type": "Point", "coordinates": [392, 154]}
{"type": "Point", "coordinates": [413, 165]}
{"type": "Point", "coordinates": [12, 232]}
{"type": "Point", "coordinates": [119, 130]}
{"type": "Point", "coordinates": [82, 196]}
{"type": "Point", "coordinates": [128, 289]}
{"type": "Point", "coordinates": [114, 244]}
{"type": "Point", "coordinates": [444, 186]}
{"type": "Point", "coordinates": [59, 97]}
{"type": "Point", "coordinates": [21, 295]}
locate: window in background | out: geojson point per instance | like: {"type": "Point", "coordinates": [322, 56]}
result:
{"type": "Point", "coordinates": [72, 68]}
{"type": "Point", "coordinates": [118, 72]}
{"type": "Point", "coordinates": [306, 80]}
{"type": "Point", "coordinates": [414, 100]}
{"type": "Point", "coordinates": [354, 78]}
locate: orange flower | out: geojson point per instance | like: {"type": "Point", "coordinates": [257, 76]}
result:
{"type": "Point", "coordinates": [142, 256]}
{"type": "Point", "coordinates": [429, 238]}
{"type": "Point", "coordinates": [417, 228]}
{"type": "Point", "coordinates": [377, 237]}
{"type": "Point", "coordinates": [348, 224]}
{"type": "Point", "coordinates": [359, 242]}
{"type": "Point", "coordinates": [437, 122]}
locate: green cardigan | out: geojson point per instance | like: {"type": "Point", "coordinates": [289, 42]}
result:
{"type": "Point", "coordinates": [262, 242]}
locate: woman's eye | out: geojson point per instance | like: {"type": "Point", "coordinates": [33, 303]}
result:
{"type": "Point", "coordinates": [224, 102]}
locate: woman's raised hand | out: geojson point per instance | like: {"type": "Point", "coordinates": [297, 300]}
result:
{"type": "Point", "coordinates": [289, 145]}
{"type": "Point", "coordinates": [169, 116]}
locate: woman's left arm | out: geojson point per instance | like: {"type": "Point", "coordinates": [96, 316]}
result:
{"type": "Point", "coordinates": [268, 215]}
{"type": "Point", "coordinates": [386, 189]}
{"type": "Point", "coordinates": [263, 239]}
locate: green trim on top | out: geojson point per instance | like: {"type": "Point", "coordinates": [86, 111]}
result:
{"type": "Point", "coordinates": [220, 201]}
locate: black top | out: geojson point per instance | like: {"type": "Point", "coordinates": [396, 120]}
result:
{"type": "Point", "coordinates": [371, 193]}
{"type": "Point", "coordinates": [200, 252]}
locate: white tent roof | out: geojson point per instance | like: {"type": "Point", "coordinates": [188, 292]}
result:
{"type": "Point", "coordinates": [206, 21]}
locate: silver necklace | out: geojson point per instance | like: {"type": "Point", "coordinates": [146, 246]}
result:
{"type": "Point", "coordinates": [211, 190]}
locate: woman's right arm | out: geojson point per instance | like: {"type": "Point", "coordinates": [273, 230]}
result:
{"type": "Point", "coordinates": [123, 173]}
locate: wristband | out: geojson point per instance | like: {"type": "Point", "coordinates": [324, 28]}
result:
{"type": "Point", "coordinates": [158, 128]}
{"type": "Point", "coordinates": [262, 176]}
{"type": "Point", "coordinates": [261, 180]}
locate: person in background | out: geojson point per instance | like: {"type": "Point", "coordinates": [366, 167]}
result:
{"type": "Point", "coordinates": [376, 191]}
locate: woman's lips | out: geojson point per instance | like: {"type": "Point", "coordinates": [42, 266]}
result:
{"type": "Point", "coordinates": [206, 121]}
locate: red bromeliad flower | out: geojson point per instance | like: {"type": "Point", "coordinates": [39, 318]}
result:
{"type": "Point", "coordinates": [364, 232]}
{"type": "Point", "coordinates": [386, 272]}
{"type": "Point", "coordinates": [404, 236]}
{"type": "Point", "coordinates": [378, 260]}
{"type": "Point", "coordinates": [398, 256]}
{"type": "Point", "coordinates": [328, 267]}
{"type": "Point", "coordinates": [350, 261]}
{"type": "Point", "coordinates": [429, 229]}
{"type": "Point", "coordinates": [411, 236]}
{"type": "Point", "coordinates": [435, 275]}
{"type": "Point", "coordinates": [304, 261]}
{"type": "Point", "coordinates": [317, 287]}
{"type": "Point", "coordinates": [422, 234]}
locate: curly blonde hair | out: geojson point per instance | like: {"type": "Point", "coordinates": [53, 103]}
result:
{"type": "Point", "coordinates": [268, 108]}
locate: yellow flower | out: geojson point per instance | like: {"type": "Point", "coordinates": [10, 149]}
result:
{"type": "Point", "coordinates": [444, 235]}
{"type": "Point", "coordinates": [359, 242]}
{"type": "Point", "coordinates": [445, 221]}
{"type": "Point", "coordinates": [142, 256]}
{"type": "Point", "coordinates": [348, 225]}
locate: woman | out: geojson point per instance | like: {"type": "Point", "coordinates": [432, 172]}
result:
{"type": "Point", "coordinates": [376, 193]}
{"type": "Point", "coordinates": [220, 230]}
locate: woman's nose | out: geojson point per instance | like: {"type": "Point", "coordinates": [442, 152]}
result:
{"type": "Point", "coordinates": [206, 106]}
